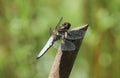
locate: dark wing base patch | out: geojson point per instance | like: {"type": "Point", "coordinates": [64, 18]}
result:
{"type": "Point", "coordinates": [67, 45]}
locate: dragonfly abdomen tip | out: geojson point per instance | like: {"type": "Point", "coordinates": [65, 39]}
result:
{"type": "Point", "coordinates": [37, 58]}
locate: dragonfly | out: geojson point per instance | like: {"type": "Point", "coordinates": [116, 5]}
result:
{"type": "Point", "coordinates": [61, 31]}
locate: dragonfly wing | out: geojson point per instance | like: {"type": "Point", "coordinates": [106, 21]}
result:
{"type": "Point", "coordinates": [59, 22]}
{"type": "Point", "coordinates": [67, 45]}
{"type": "Point", "coordinates": [46, 47]}
{"type": "Point", "coordinates": [72, 35]}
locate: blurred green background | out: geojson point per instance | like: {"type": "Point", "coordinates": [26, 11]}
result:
{"type": "Point", "coordinates": [24, 29]}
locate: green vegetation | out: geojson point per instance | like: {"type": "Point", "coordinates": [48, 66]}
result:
{"type": "Point", "coordinates": [24, 29]}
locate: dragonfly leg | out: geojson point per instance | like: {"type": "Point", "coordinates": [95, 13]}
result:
{"type": "Point", "coordinates": [66, 34]}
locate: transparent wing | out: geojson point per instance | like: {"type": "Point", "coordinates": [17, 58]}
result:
{"type": "Point", "coordinates": [72, 35]}
{"type": "Point", "coordinates": [57, 44]}
{"type": "Point", "coordinates": [59, 22]}
{"type": "Point", "coordinates": [67, 45]}
{"type": "Point", "coordinates": [46, 47]}
{"type": "Point", "coordinates": [50, 31]}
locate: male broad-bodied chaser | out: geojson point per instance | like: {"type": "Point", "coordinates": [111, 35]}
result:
{"type": "Point", "coordinates": [61, 31]}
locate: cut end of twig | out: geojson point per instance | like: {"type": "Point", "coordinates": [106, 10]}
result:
{"type": "Point", "coordinates": [84, 27]}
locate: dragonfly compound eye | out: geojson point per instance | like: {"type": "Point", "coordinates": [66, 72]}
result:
{"type": "Point", "coordinates": [67, 25]}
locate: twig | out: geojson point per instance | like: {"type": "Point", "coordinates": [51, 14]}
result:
{"type": "Point", "coordinates": [65, 59]}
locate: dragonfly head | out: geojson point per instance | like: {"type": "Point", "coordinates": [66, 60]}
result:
{"type": "Point", "coordinates": [66, 25]}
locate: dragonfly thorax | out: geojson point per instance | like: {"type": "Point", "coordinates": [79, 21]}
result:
{"type": "Point", "coordinates": [60, 31]}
